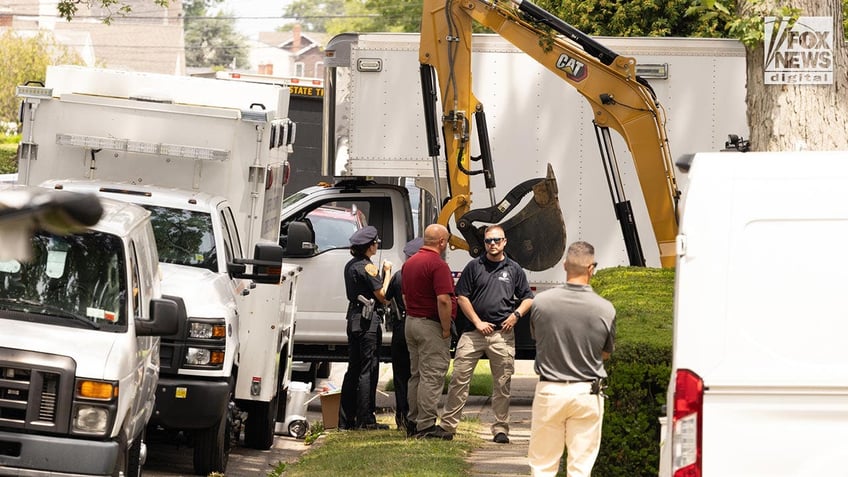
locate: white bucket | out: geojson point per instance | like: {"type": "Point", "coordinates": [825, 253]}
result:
{"type": "Point", "coordinates": [296, 424]}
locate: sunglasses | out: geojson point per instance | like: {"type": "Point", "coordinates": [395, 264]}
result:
{"type": "Point", "coordinates": [493, 240]}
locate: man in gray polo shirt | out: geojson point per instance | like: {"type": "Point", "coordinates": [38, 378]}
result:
{"type": "Point", "coordinates": [574, 330]}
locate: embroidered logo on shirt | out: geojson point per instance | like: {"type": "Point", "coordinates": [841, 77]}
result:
{"type": "Point", "coordinates": [504, 277]}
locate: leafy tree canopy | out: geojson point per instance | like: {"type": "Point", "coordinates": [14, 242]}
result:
{"type": "Point", "coordinates": [26, 59]}
{"type": "Point", "coordinates": [212, 41]}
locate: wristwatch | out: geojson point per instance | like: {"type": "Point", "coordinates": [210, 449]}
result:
{"type": "Point", "coordinates": [517, 315]}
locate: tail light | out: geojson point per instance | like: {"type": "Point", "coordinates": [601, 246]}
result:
{"type": "Point", "coordinates": [687, 424]}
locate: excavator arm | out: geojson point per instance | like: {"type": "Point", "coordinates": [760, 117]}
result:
{"type": "Point", "coordinates": [620, 101]}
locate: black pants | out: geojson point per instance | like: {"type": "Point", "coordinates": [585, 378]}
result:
{"type": "Point", "coordinates": [401, 372]}
{"type": "Point", "coordinates": [359, 388]}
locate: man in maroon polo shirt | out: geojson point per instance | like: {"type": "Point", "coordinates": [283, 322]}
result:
{"type": "Point", "coordinates": [427, 291]}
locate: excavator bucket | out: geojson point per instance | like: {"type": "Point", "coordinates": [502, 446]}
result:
{"type": "Point", "coordinates": [535, 235]}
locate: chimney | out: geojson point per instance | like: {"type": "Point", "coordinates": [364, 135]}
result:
{"type": "Point", "coordinates": [296, 37]}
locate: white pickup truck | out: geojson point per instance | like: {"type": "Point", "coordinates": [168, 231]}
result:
{"type": "Point", "coordinates": [79, 351]}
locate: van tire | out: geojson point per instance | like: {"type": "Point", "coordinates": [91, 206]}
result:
{"type": "Point", "coordinates": [212, 447]}
{"type": "Point", "coordinates": [259, 427]}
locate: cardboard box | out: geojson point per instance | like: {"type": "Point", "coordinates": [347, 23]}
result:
{"type": "Point", "coordinates": [330, 403]}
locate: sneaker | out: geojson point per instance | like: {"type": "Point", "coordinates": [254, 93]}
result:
{"type": "Point", "coordinates": [435, 432]}
{"type": "Point", "coordinates": [501, 438]}
{"type": "Point", "coordinates": [411, 429]}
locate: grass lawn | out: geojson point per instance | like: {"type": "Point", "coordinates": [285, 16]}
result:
{"type": "Point", "coordinates": [643, 300]}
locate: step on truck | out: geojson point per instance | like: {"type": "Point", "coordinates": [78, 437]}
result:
{"type": "Point", "coordinates": [81, 313]}
{"type": "Point", "coordinates": [376, 146]}
{"type": "Point", "coordinates": [208, 160]}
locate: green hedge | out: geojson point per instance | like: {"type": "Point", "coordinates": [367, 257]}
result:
{"type": "Point", "coordinates": [639, 368]}
{"type": "Point", "coordinates": [8, 154]}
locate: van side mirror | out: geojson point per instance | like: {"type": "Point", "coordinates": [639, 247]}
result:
{"type": "Point", "coordinates": [164, 319]}
{"type": "Point", "coordinates": [300, 241]}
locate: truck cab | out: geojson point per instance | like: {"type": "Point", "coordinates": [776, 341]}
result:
{"type": "Point", "coordinates": [79, 352]}
{"type": "Point", "coordinates": [333, 213]}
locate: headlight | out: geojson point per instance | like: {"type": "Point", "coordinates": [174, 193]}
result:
{"type": "Point", "coordinates": [204, 357]}
{"type": "Point", "coordinates": [206, 330]}
{"type": "Point", "coordinates": [94, 418]}
{"type": "Point", "coordinates": [90, 419]}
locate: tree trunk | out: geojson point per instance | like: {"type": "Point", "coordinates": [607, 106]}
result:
{"type": "Point", "coordinates": [785, 117]}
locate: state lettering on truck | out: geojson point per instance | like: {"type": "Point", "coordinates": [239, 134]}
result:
{"type": "Point", "coordinates": [207, 159]}
{"type": "Point", "coordinates": [82, 314]}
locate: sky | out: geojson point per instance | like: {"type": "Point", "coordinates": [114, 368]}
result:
{"type": "Point", "coordinates": [255, 15]}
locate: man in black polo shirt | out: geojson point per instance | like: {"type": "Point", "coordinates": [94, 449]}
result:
{"type": "Point", "coordinates": [494, 294]}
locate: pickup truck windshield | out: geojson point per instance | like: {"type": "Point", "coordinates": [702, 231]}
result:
{"type": "Point", "coordinates": [74, 280]}
{"type": "Point", "coordinates": [184, 237]}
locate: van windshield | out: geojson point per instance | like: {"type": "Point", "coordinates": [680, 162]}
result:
{"type": "Point", "coordinates": [74, 280]}
{"type": "Point", "coordinates": [184, 237]}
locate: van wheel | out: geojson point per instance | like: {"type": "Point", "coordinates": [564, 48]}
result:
{"type": "Point", "coordinates": [259, 428]}
{"type": "Point", "coordinates": [212, 447]}
{"type": "Point", "coordinates": [129, 458]}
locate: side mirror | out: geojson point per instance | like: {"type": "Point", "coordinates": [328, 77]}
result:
{"type": "Point", "coordinates": [300, 241]}
{"type": "Point", "coordinates": [164, 319]}
{"type": "Point", "coordinates": [267, 262]}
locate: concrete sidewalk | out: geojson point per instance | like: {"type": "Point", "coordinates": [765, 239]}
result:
{"type": "Point", "coordinates": [505, 459]}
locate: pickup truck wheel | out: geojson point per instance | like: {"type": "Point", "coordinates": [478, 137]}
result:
{"type": "Point", "coordinates": [259, 428]}
{"type": "Point", "coordinates": [212, 447]}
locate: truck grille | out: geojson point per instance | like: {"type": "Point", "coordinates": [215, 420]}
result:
{"type": "Point", "coordinates": [36, 390]}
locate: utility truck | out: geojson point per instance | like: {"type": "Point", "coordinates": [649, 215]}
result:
{"type": "Point", "coordinates": [207, 159]}
{"type": "Point", "coordinates": [305, 110]}
{"type": "Point", "coordinates": [374, 133]}
{"type": "Point", "coordinates": [81, 316]}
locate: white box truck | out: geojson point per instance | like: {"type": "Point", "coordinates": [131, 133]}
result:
{"type": "Point", "coordinates": [207, 158]}
{"type": "Point", "coordinates": [374, 129]}
{"type": "Point", "coordinates": [759, 380]}
{"type": "Point", "coordinates": [81, 318]}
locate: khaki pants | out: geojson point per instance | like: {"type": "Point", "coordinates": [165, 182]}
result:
{"type": "Point", "coordinates": [429, 358]}
{"type": "Point", "coordinates": [500, 349]}
{"type": "Point", "coordinates": [565, 415]}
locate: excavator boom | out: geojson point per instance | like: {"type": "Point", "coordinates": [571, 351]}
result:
{"type": "Point", "coordinates": [620, 101]}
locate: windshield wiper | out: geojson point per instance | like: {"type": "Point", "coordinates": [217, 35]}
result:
{"type": "Point", "coordinates": [50, 310]}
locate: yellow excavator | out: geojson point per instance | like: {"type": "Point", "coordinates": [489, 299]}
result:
{"type": "Point", "coordinates": [620, 100]}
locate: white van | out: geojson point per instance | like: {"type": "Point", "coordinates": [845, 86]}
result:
{"type": "Point", "coordinates": [759, 383]}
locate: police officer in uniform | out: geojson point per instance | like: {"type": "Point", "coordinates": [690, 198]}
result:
{"type": "Point", "coordinates": [363, 283]}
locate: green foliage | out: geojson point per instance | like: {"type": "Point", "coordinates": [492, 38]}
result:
{"type": "Point", "coordinates": [338, 16]}
{"type": "Point", "coordinates": [68, 8]}
{"type": "Point", "coordinates": [639, 369]}
{"type": "Point", "coordinates": [213, 41]}
{"type": "Point", "coordinates": [636, 17]}
{"type": "Point", "coordinates": [8, 158]}
{"type": "Point", "coordinates": [26, 59]}
{"type": "Point", "coordinates": [312, 15]}
{"type": "Point", "coordinates": [278, 469]}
